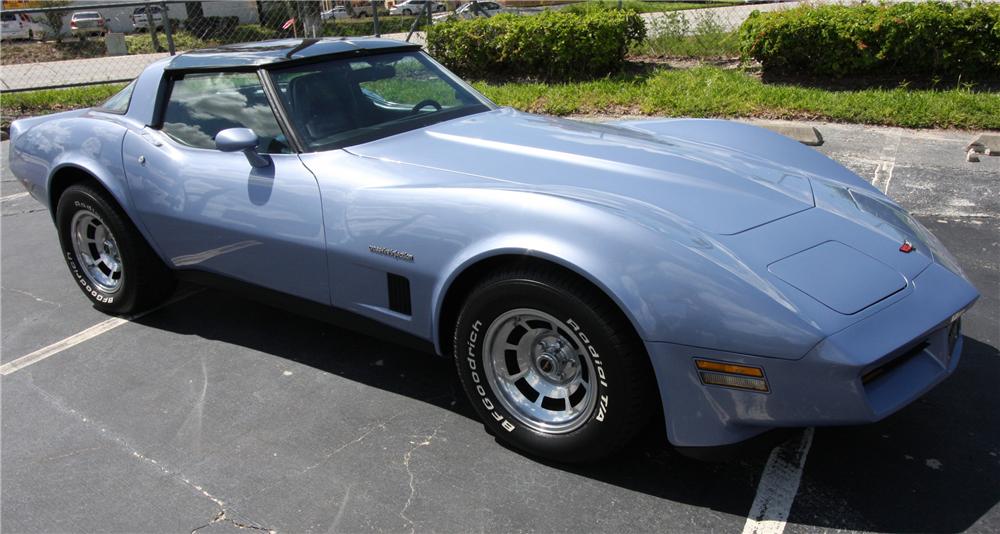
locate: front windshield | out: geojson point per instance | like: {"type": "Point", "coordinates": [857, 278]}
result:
{"type": "Point", "coordinates": [342, 102]}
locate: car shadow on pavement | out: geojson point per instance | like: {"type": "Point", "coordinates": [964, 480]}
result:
{"type": "Point", "coordinates": [875, 477]}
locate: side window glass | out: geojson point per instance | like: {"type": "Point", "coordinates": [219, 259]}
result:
{"type": "Point", "coordinates": [119, 102]}
{"type": "Point", "coordinates": [202, 105]}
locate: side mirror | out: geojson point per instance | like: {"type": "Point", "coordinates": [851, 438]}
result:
{"type": "Point", "coordinates": [241, 140]}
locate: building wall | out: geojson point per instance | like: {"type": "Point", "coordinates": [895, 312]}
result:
{"type": "Point", "coordinates": [119, 19]}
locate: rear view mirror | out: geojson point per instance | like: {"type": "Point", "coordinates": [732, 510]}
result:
{"type": "Point", "coordinates": [373, 73]}
{"type": "Point", "coordinates": [241, 140]}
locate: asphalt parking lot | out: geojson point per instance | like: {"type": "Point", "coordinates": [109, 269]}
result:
{"type": "Point", "coordinates": [217, 414]}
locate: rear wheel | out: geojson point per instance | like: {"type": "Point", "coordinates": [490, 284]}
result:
{"type": "Point", "coordinates": [110, 261]}
{"type": "Point", "coordinates": [551, 366]}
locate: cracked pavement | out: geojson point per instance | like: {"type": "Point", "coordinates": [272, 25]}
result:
{"type": "Point", "coordinates": [219, 415]}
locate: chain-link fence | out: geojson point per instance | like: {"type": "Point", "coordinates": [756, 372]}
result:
{"type": "Point", "coordinates": [64, 43]}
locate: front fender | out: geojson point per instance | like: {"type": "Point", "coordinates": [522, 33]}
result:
{"type": "Point", "coordinates": [672, 282]}
{"type": "Point", "coordinates": [569, 255]}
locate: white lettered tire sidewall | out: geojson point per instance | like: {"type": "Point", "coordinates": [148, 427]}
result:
{"type": "Point", "coordinates": [599, 433]}
{"type": "Point", "coordinates": [145, 280]}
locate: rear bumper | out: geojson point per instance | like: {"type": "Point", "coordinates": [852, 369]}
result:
{"type": "Point", "coordinates": [858, 375]}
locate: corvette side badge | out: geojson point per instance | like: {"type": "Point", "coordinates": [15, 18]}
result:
{"type": "Point", "coordinates": [906, 247]}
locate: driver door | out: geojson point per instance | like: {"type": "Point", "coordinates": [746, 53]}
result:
{"type": "Point", "coordinates": [211, 210]}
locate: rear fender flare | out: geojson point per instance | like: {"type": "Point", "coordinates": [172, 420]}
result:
{"type": "Point", "coordinates": [110, 179]}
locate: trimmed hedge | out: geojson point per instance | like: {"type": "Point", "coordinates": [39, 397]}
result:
{"type": "Point", "coordinates": [922, 39]}
{"type": "Point", "coordinates": [550, 45]}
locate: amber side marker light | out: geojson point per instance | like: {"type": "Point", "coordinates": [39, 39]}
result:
{"type": "Point", "coordinates": [732, 375]}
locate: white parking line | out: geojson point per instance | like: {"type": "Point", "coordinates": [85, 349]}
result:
{"type": "Point", "coordinates": [778, 485]}
{"type": "Point", "coordinates": [83, 335]}
{"type": "Point", "coordinates": [887, 163]}
{"type": "Point", "coordinates": [14, 196]}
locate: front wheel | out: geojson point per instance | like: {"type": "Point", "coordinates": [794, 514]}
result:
{"type": "Point", "coordinates": [109, 260]}
{"type": "Point", "coordinates": [551, 367]}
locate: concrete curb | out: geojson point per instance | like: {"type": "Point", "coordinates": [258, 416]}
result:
{"type": "Point", "coordinates": [807, 135]}
{"type": "Point", "coordinates": [987, 144]}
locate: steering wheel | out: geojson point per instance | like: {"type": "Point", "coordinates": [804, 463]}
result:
{"type": "Point", "coordinates": [424, 103]}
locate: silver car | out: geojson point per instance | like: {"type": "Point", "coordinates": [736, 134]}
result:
{"type": "Point", "coordinates": [87, 23]}
{"type": "Point", "coordinates": [712, 277]}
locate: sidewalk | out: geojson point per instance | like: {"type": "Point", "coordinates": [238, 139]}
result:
{"type": "Point", "coordinates": [74, 71]}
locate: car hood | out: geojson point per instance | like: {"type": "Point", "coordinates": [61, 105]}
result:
{"type": "Point", "coordinates": [709, 187]}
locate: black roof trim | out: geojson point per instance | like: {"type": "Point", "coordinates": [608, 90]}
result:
{"type": "Point", "coordinates": [263, 53]}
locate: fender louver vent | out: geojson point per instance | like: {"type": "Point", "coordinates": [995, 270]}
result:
{"type": "Point", "coordinates": [399, 294]}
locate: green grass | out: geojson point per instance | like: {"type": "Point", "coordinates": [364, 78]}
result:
{"type": "Point", "coordinates": [13, 105]}
{"type": "Point", "coordinates": [704, 36]}
{"type": "Point", "coordinates": [141, 43]}
{"type": "Point", "coordinates": [702, 46]}
{"type": "Point", "coordinates": [713, 92]}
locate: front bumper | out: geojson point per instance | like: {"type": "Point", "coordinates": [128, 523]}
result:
{"type": "Point", "coordinates": [858, 375]}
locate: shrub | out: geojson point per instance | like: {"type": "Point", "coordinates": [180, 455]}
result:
{"type": "Point", "coordinates": [923, 39]}
{"type": "Point", "coordinates": [550, 45]}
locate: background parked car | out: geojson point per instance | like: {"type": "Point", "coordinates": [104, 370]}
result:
{"type": "Point", "coordinates": [468, 11]}
{"type": "Point", "coordinates": [338, 12]}
{"type": "Point", "coordinates": [87, 23]}
{"type": "Point", "coordinates": [140, 21]}
{"type": "Point", "coordinates": [20, 26]}
{"type": "Point", "coordinates": [363, 9]}
{"type": "Point", "coordinates": [413, 7]}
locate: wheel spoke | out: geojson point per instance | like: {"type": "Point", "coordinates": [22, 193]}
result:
{"type": "Point", "coordinates": [519, 375]}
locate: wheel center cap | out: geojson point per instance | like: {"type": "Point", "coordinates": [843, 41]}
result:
{"type": "Point", "coordinates": [555, 360]}
{"type": "Point", "coordinates": [547, 364]}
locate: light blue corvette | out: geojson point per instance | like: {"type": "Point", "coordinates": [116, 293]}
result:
{"type": "Point", "coordinates": [714, 276]}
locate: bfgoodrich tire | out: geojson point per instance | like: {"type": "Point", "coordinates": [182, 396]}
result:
{"type": "Point", "coordinates": [109, 260]}
{"type": "Point", "coordinates": [551, 366]}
